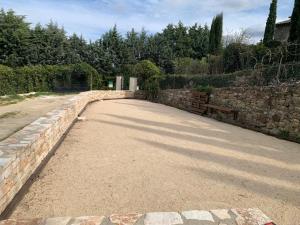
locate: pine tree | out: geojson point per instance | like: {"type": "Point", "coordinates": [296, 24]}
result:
{"type": "Point", "coordinates": [295, 23]}
{"type": "Point", "coordinates": [215, 36]}
{"type": "Point", "coordinates": [271, 22]}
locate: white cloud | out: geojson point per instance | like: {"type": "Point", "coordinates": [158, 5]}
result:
{"type": "Point", "coordinates": [92, 17]}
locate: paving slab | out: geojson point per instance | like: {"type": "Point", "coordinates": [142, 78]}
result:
{"type": "Point", "coordinates": [195, 217]}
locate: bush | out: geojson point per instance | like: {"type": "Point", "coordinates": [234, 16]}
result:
{"type": "Point", "coordinates": [77, 77]}
{"type": "Point", "coordinates": [217, 81]}
{"type": "Point", "coordinates": [152, 88]}
{"type": "Point", "coordinates": [237, 57]}
{"type": "Point", "coordinates": [191, 66]}
{"type": "Point", "coordinates": [207, 89]}
{"type": "Point", "coordinates": [145, 70]}
{"type": "Point", "coordinates": [7, 81]}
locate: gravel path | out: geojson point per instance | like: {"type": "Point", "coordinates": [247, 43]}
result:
{"type": "Point", "coordinates": [136, 156]}
{"type": "Point", "coordinates": [15, 116]}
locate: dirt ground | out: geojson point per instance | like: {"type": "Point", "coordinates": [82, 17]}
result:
{"type": "Point", "coordinates": [14, 117]}
{"type": "Point", "coordinates": [136, 156]}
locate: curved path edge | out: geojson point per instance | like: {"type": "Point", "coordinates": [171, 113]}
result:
{"type": "Point", "coordinates": [22, 153]}
{"type": "Point", "coordinates": [197, 217]}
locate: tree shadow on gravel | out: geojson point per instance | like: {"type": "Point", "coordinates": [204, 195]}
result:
{"type": "Point", "coordinates": [215, 136]}
{"type": "Point", "coordinates": [286, 194]}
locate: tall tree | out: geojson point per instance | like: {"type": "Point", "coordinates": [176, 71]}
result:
{"type": "Point", "coordinates": [200, 40]}
{"type": "Point", "coordinates": [216, 33]}
{"type": "Point", "coordinates": [14, 39]}
{"type": "Point", "coordinates": [295, 23]}
{"type": "Point", "coordinates": [271, 22]}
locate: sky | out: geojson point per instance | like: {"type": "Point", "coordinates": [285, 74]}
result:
{"type": "Point", "coordinates": [91, 18]}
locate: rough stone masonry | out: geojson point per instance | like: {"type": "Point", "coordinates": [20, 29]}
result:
{"type": "Point", "coordinates": [272, 110]}
{"type": "Point", "coordinates": [195, 217]}
{"type": "Point", "coordinates": [23, 152]}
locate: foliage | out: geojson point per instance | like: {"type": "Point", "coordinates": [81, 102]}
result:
{"type": "Point", "coordinates": [215, 63]}
{"type": "Point", "coordinates": [208, 89]}
{"type": "Point", "coordinates": [152, 88]}
{"type": "Point", "coordinates": [191, 66]}
{"type": "Point", "coordinates": [14, 39]}
{"type": "Point", "coordinates": [217, 81]}
{"type": "Point", "coordinates": [237, 56]}
{"type": "Point", "coordinates": [145, 70]}
{"type": "Point", "coordinates": [48, 78]}
{"type": "Point", "coordinates": [295, 23]}
{"type": "Point", "coordinates": [7, 82]}
{"type": "Point", "coordinates": [215, 36]}
{"type": "Point", "coordinates": [21, 45]}
{"type": "Point", "coordinates": [270, 25]}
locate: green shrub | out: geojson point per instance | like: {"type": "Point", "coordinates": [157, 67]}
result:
{"type": "Point", "coordinates": [207, 89]}
{"type": "Point", "coordinates": [191, 66]}
{"type": "Point", "coordinates": [152, 88]}
{"type": "Point", "coordinates": [144, 70]}
{"type": "Point", "coordinates": [185, 81]}
{"type": "Point", "coordinates": [48, 78]}
{"type": "Point", "coordinates": [7, 80]}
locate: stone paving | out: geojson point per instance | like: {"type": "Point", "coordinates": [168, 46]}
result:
{"type": "Point", "coordinates": [195, 217]}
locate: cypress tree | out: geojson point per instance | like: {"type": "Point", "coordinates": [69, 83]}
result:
{"type": "Point", "coordinates": [295, 23]}
{"type": "Point", "coordinates": [215, 36]}
{"type": "Point", "coordinates": [212, 37]}
{"type": "Point", "coordinates": [271, 22]}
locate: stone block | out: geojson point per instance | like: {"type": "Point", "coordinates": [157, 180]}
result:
{"type": "Point", "coordinates": [163, 218]}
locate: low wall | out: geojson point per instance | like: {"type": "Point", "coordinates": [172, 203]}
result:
{"type": "Point", "coordinates": [271, 110]}
{"type": "Point", "coordinates": [23, 152]}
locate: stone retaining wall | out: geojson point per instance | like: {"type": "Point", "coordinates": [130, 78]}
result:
{"type": "Point", "coordinates": [23, 152]}
{"type": "Point", "coordinates": [271, 110]}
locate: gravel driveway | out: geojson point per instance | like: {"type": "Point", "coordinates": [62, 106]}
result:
{"type": "Point", "coordinates": [136, 156]}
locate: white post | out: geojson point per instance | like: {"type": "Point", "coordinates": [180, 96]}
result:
{"type": "Point", "coordinates": [133, 84]}
{"type": "Point", "coordinates": [119, 83]}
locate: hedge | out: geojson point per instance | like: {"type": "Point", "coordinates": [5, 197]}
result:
{"type": "Point", "coordinates": [181, 81]}
{"type": "Point", "coordinates": [76, 77]}
{"type": "Point", "coordinates": [264, 77]}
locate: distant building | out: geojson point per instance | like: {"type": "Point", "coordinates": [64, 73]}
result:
{"type": "Point", "coordinates": [282, 31]}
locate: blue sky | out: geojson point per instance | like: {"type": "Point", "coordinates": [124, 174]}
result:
{"type": "Point", "coordinates": [92, 18]}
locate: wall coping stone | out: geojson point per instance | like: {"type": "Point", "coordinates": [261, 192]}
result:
{"type": "Point", "coordinates": [213, 217]}
{"type": "Point", "coordinates": [24, 151]}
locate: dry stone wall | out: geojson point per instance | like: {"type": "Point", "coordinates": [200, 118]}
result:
{"type": "Point", "coordinates": [272, 110]}
{"type": "Point", "coordinates": [23, 152]}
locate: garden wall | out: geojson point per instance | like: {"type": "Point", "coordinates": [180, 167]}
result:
{"type": "Point", "coordinates": [23, 152]}
{"type": "Point", "coordinates": [271, 110]}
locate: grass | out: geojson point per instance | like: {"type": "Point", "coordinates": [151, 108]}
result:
{"type": "Point", "coordinates": [9, 114]}
{"type": "Point", "coordinates": [11, 99]}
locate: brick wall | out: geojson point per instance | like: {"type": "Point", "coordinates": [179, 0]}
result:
{"type": "Point", "coordinates": [23, 152]}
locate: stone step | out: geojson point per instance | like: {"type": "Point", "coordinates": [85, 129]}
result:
{"type": "Point", "coordinates": [195, 217]}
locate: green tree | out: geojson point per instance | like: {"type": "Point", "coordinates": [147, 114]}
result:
{"type": "Point", "coordinates": [199, 41]}
{"type": "Point", "coordinates": [116, 52]}
{"type": "Point", "coordinates": [132, 43]}
{"type": "Point", "coordinates": [145, 70]}
{"type": "Point", "coordinates": [271, 22]}
{"type": "Point", "coordinates": [14, 39]}
{"type": "Point", "coordinates": [295, 23]}
{"type": "Point", "coordinates": [77, 49]}
{"type": "Point", "coordinates": [237, 56]}
{"type": "Point", "coordinates": [215, 36]}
